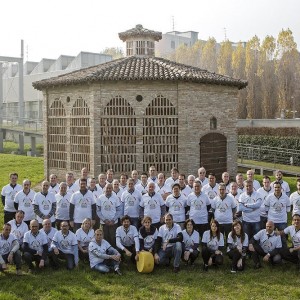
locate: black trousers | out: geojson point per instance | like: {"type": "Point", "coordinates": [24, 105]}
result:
{"type": "Point", "coordinates": [208, 253]}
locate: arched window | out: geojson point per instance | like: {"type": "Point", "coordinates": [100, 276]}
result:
{"type": "Point", "coordinates": [57, 140]}
{"type": "Point", "coordinates": [118, 136]}
{"type": "Point", "coordinates": [213, 123]}
{"type": "Point", "coordinates": [80, 135]}
{"type": "Point", "coordinates": [160, 135]}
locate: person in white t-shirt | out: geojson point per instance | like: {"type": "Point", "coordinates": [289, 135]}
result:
{"type": "Point", "coordinates": [64, 246]}
{"type": "Point", "coordinates": [71, 186]}
{"type": "Point", "coordinates": [250, 176]}
{"type": "Point", "coordinates": [191, 240]}
{"type": "Point", "coordinates": [284, 185]}
{"type": "Point", "coordinates": [84, 235]}
{"type": "Point", "coordinates": [82, 205]}
{"type": "Point", "coordinates": [127, 239]}
{"type": "Point", "coordinates": [24, 201]}
{"type": "Point", "coordinates": [44, 204]}
{"type": "Point", "coordinates": [295, 199]}
{"type": "Point", "coordinates": [9, 250]}
{"type": "Point", "coordinates": [54, 186]}
{"type": "Point", "coordinates": [152, 175]}
{"type": "Point", "coordinates": [18, 226]}
{"type": "Point", "coordinates": [212, 246]}
{"type": "Point", "coordinates": [201, 176]}
{"type": "Point", "coordinates": [168, 244]}
{"type": "Point", "coordinates": [174, 177]}
{"type": "Point", "coordinates": [8, 194]}
{"type": "Point", "coordinates": [63, 198]}
{"type": "Point", "coordinates": [103, 257]}
{"type": "Point", "coordinates": [152, 205]}
{"type": "Point", "coordinates": [35, 247]}
{"type": "Point", "coordinates": [142, 187]}
{"type": "Point", "coordinates": [161, 187]}
{"type": "Point", "coordinates": [237, 246]}
{"type": "Point", "coordinates": [109, 211]}
{"type": "Point", "coordinates": [266, 243]}
{"type": "Point", "coordinates": [277, 205]}
{"type": "Point", "coordinates": [292, 253]}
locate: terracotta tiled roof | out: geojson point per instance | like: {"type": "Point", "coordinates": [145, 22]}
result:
{"type": "Point", "coordinates": [139, 30]}
{"type": "Point", "coordinates": [139, 68]}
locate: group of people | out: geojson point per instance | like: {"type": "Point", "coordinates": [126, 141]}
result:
{"type": "Point", "coordinates": [177, 218]}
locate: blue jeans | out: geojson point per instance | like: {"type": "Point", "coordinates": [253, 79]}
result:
{"type": "Point", "coordinates": [172, 251]}
{"type": "Point", "coordinates": [106, 266]}
{"type": "Point", "coordinates": [280, 226]}
{"type": "Point", "coordinates": [251, 228]}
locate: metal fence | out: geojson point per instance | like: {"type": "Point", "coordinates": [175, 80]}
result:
{"type": "Point", "coordinates": [269, 154]}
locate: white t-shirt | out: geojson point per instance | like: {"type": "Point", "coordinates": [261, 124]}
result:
{"type": "Point", "coordinates": [63, 206]}
{"type": "Point", "coordinates": [237, 242]}
{"type": "Point", "coordinates": [268, 243]}
{"type": "Point", "coordinates": [49, 235]}
{"type": "Point", "coordinates": [25, 203]}
{"type": "Point", "coordinates": [103, 249]}
{"type": "Point", "coordinates": [143, 189]}
{"type": "Point", "coordinates": [83, 237]}
{"type": "Point", "coordinates": [168, 233]}
{"type": "Point", "coordinates": [211, 192]}
{"type": "Point", "coordinates": [164, 189]}
{"type": "Point", "coordinates": [82, 205]}
{"type": "Point", "coordinates": [253, 202]}
{"type": "Point", "coordinates": [277, 208]}
{"type": "Point", "coordinates": [64, 243]}
{"type": "Point", "coordinates": [212, 242]}
{"type": "Point", "coordinates": [45, 203]}
{"type": "Point", "coordinates": [107, 208]}
{"type": "Point", "coordinates": [177, 207]}
{"type": "Point", "coordinates": [198, 207]}
{"type": "Point", "coordinates": [131, 203]}
{"type": "Point", "coordinates": [295, 202]}
{"type": "Point", "coordinates": [35, 242]}
{"type": "Point", "coordinates": [18, 230]}
{"type": "Point", "coordinates": [190, 240]}
{"type": "Point", "coordinates": [223, 209]}
{"type": "Point", "coordinates": [295, 235]}
{"type": "Point", "coordinates": [6, 244]}
{"type": "Point", "coordinates": [264, 194]}
{"type": "Point", "coordinates": [54, 189]}
{"type": "Point", "coordinates": [10, 192]}
{"type": "Point", "coordinates": [152, 206]}
{"type": "Point", "coordinates": [127, 238]}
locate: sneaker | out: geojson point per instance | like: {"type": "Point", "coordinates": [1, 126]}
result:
{"type": "Point", "coordinates": [205, 267]}
{"type": "Point", "coordinates": [118, 271]}
{"type": "Point", "coordinates": [19, 272]}
{"type": "Point", "coordinates": [176, 269]}
{"type": "Point", "coordinates": [233, 270]}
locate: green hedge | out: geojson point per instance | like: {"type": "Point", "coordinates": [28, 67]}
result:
{"type": "Point", "coordinates": [288, 142]}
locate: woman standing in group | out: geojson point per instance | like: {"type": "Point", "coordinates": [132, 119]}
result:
{"type": "Point", "coordinates": [237, 245]}
{"type": "Point", "coordinates": [212, 246]}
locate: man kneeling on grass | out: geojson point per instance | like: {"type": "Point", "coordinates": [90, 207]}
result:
{"type": "Point", "coordinates": [9, 250]}
{"type": "Point", "coordinates": [103, 257]}
{"type": "Point", "coordinates": [168, 243]}
{"type": "Point", "coordinates": [266, 244]}
{"type": "Point", "coordinates": [65, 246]}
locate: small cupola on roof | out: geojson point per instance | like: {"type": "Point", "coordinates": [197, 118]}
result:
{"type": "Point", "coordinates": [140, 41]}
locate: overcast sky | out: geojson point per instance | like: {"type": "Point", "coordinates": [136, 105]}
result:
{"type": "Point", "coordinates": [51, 28]}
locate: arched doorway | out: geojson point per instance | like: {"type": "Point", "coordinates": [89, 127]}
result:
{"type": "Point", "coordinates": [213, 153]}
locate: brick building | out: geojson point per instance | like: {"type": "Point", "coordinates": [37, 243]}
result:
{"type": "Point", "coordinates": [138, 111]}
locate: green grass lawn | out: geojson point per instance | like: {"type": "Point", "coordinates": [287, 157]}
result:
{"type": "Point", "coordinates": [281, 282]}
